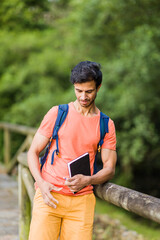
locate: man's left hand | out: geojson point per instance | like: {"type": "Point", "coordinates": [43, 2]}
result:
{"type": "Point", "coordinates": [77, 182]}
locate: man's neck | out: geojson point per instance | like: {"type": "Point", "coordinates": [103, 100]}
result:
{"type": "Point", "coordinates": [89, 111]}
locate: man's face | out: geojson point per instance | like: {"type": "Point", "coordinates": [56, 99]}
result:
{"type": "Point", "coordinates": [86, 93]}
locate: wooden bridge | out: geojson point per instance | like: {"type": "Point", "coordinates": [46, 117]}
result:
{"type": "Point", "coordinates": [8, 207]}
{"type": "Point", "coordinates": [16, 197]}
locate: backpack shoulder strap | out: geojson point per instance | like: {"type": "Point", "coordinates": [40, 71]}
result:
{"type": "Point", "coordinates": [104, 119]}
{"type": "Point", "coordinates": [61, 116]}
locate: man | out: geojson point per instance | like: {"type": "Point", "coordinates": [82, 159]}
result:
{"type": "Point", "coordinates": [57, 209]}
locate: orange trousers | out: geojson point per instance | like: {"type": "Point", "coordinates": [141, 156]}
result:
{"type": "Point", "coordinates": [71, 220]}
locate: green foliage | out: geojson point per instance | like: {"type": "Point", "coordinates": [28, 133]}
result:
{"type": "Point", "coordinates": [42, 40]}
{"type": "Point", "coordinates": [137, 95]}
{"type": "Point", "coordinates": [31, 80]}
{"type": "Point", "coordinates": [26, 14]}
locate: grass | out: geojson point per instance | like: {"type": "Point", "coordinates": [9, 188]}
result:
{"type": "Point", "coordinates": [149, 229]}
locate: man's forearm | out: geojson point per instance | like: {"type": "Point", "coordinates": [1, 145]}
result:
{"type": "Point", "coordinates": [80, 181]}
{"type": "Point", "coordinates": [34, 166]}
{"type": "Point", "coordinates": [102, 176]}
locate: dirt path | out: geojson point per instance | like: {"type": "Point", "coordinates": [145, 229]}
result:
{"type": "Point", "coordinates": [8, 208]}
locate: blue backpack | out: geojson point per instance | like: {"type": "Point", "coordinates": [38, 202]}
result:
{"type": "Point", "coordinates": [62, 114]}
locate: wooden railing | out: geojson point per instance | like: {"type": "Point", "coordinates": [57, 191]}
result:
{"type": "Point", "coordinates": [139, 203]}
{"type": "Point", "coordinates": [10, 162]}
{"type": "Point", "coordinates": [133, 201]}
{"type": "Point", "coordinates": [26, 193]}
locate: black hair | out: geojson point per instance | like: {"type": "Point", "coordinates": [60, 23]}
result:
{"type": "Point", "coordinates": [86, 71]}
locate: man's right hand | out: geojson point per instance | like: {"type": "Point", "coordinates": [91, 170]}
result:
{"type": "Point", "coordinates": [46, 189]}
{"type": "Point", "coordinates": [38, 144]}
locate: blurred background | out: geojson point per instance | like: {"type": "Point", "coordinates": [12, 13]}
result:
{"type": "Point", "coordinates": [41, 41]}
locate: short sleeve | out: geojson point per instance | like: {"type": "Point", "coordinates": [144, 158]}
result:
{"type": "Point", "coordinates": [110, 137]}
{"type": "Point", "coordinates": [48, 122]}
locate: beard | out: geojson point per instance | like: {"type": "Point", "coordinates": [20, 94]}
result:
{"type": "Point", "coordinates": [87, 102]}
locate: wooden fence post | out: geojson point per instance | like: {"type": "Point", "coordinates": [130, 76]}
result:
{"type": "Point", "coordinates": [25, 145]}
{"type": "Point", "coordinates": [8, 129]}
{"type": "Point", "coordinates": [24, 206]}
{"type": "Point", "coordinates": [6, 146]}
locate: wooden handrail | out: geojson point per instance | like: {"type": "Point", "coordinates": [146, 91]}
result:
{"type": "Point", "coordinates": [26, 193]}
{"type": "Point", "coordinates": [139, 203]}
{"type": "Point", "coordinates": [18, 128]}
{"type": "Point", "coordinates": [9, 162]}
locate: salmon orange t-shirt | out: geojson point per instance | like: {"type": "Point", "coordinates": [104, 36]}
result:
{"type": "Point", "coordinates": [77, 135]}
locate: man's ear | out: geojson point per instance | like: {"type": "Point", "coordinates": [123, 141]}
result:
{"type": "Point", "coordinates": [99, 87]}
